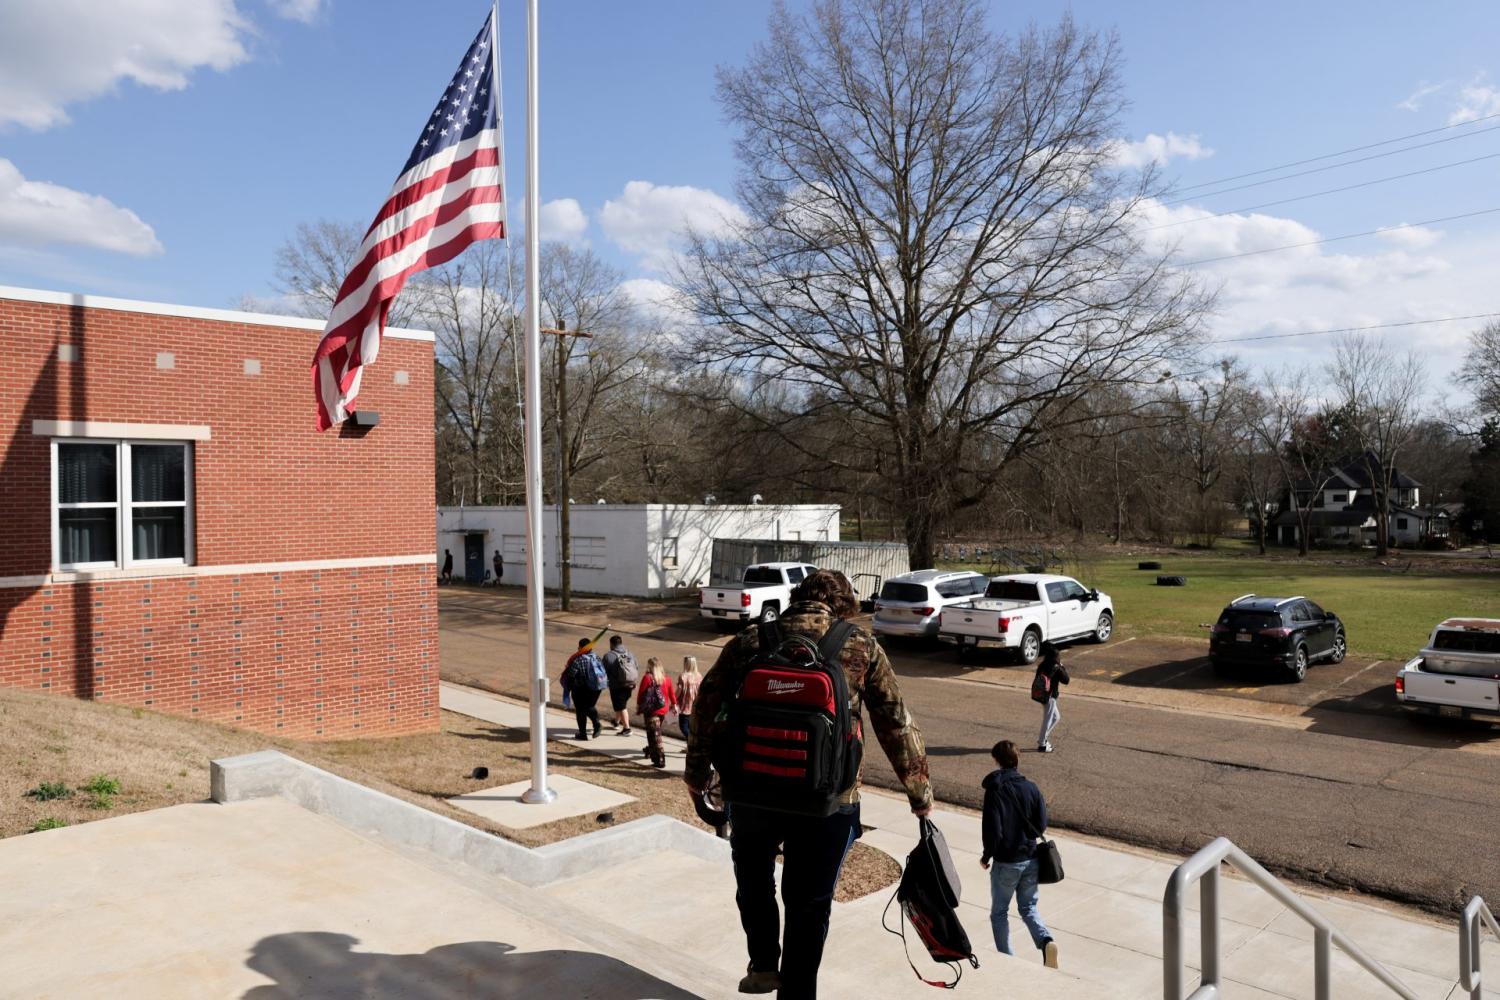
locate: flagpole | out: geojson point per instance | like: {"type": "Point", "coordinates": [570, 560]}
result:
{"type": "Point", "coordinates": [535, 609]}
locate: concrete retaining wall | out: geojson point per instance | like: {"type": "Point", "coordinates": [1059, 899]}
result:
{"type": "Point", "coordinates": [403, 825]}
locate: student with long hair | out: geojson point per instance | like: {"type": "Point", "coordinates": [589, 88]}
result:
{"type": "Point", "coordinates": [687, 695]}
{"type": "Point", "coordinates": [654, 700]}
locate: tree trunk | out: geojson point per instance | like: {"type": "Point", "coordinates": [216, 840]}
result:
{"type": "Point", "coordinates": [1260, 527]}
{"type": "Point", "coordinates": [919, 536]}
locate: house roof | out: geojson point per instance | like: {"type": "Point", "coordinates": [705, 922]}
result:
{"type": "Point", "coordinates": [1354, 473]}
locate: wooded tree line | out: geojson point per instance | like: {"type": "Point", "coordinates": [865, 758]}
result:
{"type": "Point", "coordinates": [940, 309]}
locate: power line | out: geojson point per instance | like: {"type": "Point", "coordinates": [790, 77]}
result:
{"type": "Point", "coordinates": [1336, 239]}
{"type": "Point", "coordinates": [1354, 329]}
{"type": "Point", "coordinates": [1331, 166]}
{"type": "Point", "coordinates": [1319, 194]}
{"type": "Point", "coordinates": [1342, 152]}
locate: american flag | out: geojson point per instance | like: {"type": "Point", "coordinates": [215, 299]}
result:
{"type": "Point", "coordinates": [449, 194]}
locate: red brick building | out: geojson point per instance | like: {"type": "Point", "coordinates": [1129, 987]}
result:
{"type": "Point", "coordinates": [177, 534]}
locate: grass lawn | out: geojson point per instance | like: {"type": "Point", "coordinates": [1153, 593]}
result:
{"type": "Point", "coordinates": [1388, 613]}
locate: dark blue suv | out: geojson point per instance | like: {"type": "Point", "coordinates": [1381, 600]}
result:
{"type": "Point", "coordinates": [1286, 633]}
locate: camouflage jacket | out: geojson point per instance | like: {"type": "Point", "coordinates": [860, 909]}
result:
{"type": "Point", "coordinates": [872, 684]}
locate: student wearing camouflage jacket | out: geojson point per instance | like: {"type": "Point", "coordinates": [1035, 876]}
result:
{"type": "Point", "coordinates": [813, 849]}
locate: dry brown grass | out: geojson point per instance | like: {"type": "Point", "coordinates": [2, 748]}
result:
{"type": "Point", "coordinates": [162, 760]}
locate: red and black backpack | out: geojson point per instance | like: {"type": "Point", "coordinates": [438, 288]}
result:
{"type": "Point", "coordinates": [789, 741]}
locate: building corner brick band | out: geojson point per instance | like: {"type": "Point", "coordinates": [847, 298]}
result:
{"type": "Point", "coordinates": [180, 539]}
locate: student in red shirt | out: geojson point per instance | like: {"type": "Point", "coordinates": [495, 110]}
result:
{"type": "Point", "coordinates": [654, 699]}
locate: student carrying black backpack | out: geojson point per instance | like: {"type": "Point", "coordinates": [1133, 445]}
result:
{"type": "Point", "coordinates": [778, 716]}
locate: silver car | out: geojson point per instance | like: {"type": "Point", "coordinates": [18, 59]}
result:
{"type": "Point", "coordinates": [910, 604]}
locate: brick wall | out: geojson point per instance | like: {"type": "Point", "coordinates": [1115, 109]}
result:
{"type": "Point", "coordinates": [329, 653]}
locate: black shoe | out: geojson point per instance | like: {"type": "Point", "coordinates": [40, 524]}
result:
{"type": "Point", "coordinates": [580, 736]}
{"type": "Point", "coordinates": [658, 763]}
{"type": "Point", "coordinates": [760, 982]}
{"type": "Point", "coordinates": [597, 732]}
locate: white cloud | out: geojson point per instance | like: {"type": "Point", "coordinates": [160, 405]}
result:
{"type": "Point", "coordinates": [1476, 99]}
{"type": "Point", "coordinates": [564, 220]}
{"type": "Point", "coordinates": [1423, 91]}
{"type": "Point", "coordinates": [36, 213]}
{"type": "Point", "coordinates": [305, 11]}
{"type": "Point", "coordinates": [1409, 237]}
{"type": "Point", "coordinates": [1158, 149]}
{"type": "Point", "coordinates": [57, 52]}
{"type": "Point", "coordinates": [657, 302]}
{"type": "Point", "coordinates": [1390, 278]}
{"type": "Point", "coordinates": [649, 220]}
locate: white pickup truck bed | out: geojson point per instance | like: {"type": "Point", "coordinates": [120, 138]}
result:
{"type": "Point", "coordinates": [1457, 674]}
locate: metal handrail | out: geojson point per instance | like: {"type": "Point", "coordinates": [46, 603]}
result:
{"type": "Point", "coordinates": [1476, 918]}
{"type": "Point", "coordinates": [1203, 868]}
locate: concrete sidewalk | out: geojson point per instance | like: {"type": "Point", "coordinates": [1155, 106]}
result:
{"type": "Point", "coordinates": [1106, 915]}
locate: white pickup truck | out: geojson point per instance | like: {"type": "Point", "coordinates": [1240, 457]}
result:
{"type": "Point", "coordinates": [764, 593]}
{"type": "Point", "coordinates": [1457, 674]}
{"type": "Point", "coordinates": [1021, 612]}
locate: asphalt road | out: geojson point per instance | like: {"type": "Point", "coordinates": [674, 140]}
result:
{"type": "Point", "coordinates": [1321, 781]}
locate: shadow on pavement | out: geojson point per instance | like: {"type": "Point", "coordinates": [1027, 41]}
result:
{"type": "Point", "coordinates": [1337, 717]}
{"type": "Point", "coordinates": [313, 965]}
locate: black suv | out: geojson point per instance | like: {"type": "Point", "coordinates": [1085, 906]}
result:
{"type": "Point", "coordinates": [1285, 632]}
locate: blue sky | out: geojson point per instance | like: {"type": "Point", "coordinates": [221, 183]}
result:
{"type": "Point", "coordinates": [162, 149]}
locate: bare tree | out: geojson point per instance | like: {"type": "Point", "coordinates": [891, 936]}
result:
{"type": "Point", "coordinates": [1481, 368]}
{"type": "Point", "coordinates": [1256, 432]}
{"type": "Point", "coordinates": [470, 306]}
{"type": "Point", "coordinates": [1382, 395]}
{"type": "Point", "coordinates": [1199, 439]}
{"type": "Point", "coordinates": [937, 242]}
{"type": "Point", "coordinates": [1304, 453]}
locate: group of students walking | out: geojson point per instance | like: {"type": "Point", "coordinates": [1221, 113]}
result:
{"type": "Point", "coordinates": [786, 952]}
{"type": "Point", "coordinates": [587, 677]}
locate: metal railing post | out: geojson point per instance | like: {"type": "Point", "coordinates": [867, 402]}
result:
{"type": "Point", "coordinates": [1471, 927]}
{"type": "Point", "coordinates": [1208, 923]}
{"type": "Point", "coordinates": [1323, 964]}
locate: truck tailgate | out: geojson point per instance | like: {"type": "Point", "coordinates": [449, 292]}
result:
{"type": "Point", "coordinates": [727, 598]}
{"type": "Point", "coordinates": [970, 621]}
{"type": "Point", "coordinates": [1447, 689]}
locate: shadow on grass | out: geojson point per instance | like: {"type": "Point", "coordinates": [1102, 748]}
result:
{"type": "Point", "coordinates": [326, 966]}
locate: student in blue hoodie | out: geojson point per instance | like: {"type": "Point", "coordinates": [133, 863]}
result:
{"type": "Point", "coordinates": [1015, 815]}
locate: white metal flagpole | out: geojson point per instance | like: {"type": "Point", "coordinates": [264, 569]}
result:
{"type": "Point", "coordinates": [535, 609]}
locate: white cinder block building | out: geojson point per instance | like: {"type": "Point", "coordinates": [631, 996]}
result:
{"type": "Point", "coordinates": [638, 550]}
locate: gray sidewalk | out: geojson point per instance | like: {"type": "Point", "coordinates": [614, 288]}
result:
{"type": "Point", "coordinates": [1107, 915]}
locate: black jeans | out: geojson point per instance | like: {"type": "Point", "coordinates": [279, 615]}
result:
{"type": "Point", "coordinates": [584, 710]}
{"type": "Point", "coordinates": [813, 852]}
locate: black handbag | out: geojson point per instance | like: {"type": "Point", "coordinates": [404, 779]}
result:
{"type": "Point", "coordinates": [1049, 866]}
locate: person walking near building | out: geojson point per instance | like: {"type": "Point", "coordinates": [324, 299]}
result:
{"type": "Point", "coordinates": [813, 848]}
{"type": "Point", "coordinates": [654, 700]}
{"type": "Point", "coordinates": [1015, 814]}
{"type": "Point", "coordinates": [623, 675]}
{"type": "Point", "coordinates": [1046, 686]}
{"type": "Point", "coordinates": [499, 565]}
{"type": "Point", "coordinates": [582, 681]}
{"type": "Point", "coordinates": [687, 695]}
{"type": "Point", "coordinates": [447, 575]}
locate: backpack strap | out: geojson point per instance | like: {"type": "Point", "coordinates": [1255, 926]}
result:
{"type": "Point", "coordinates": [1021, 812]}
{"type": "Point", "coordinates": [832, 643]}
{"type": "Point", "coordinates": [771, 635]}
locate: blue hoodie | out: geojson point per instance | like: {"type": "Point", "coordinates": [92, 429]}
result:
{"type": "Point", "coordinates": [1006, 838]}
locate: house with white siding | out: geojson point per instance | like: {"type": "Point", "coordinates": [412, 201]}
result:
{"type": "Point", "coordinates": [1342, 504]}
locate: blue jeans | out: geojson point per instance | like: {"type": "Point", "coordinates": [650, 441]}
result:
{"type": "Point", "coordinates": [813, 851]}
{"type": "Point", "coordinates": [1016, 878]}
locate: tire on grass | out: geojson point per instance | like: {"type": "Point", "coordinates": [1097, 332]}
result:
{"type": "Point", "coordinates": [1148, 565]}
{"type": "Point", "coordinates": [1171, 581]}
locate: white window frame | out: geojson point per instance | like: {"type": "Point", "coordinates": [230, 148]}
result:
{"type": "Point", "coordinates": [124, 506]}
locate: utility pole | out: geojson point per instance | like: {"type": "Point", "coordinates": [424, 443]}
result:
{"type": "Point", "coordinates": [564, 478]}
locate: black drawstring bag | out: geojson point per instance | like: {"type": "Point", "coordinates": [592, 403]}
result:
{"type": "Point", "coordinates": [929, 892]}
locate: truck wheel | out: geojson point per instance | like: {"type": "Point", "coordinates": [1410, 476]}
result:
{"type": "Point", "coordinates": [770, 612]}
{"type": "Point", "coordinates": [1104, 628]}
{"type": "Point", "coordinates": [1031, 647]}
{"type": "Point", "coordinates": [1298, 667]}
{"type": "Point", "coordinates": [1340, 649]}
